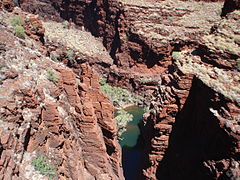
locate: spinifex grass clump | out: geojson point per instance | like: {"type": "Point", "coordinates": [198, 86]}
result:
{"type": "Point", "coordinates": [19, 32]}
{"type": "Point", "coordinates": [17, 22]}
{"type": "Point", "coordinates": [70, 55]}
{"type": "Point", "coordinates": [51, 76]}
{"type": "Point", "coordinates": [40, 164]}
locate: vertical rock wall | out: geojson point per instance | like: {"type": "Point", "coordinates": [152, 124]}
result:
{"type": "Point", "coordinates": [47, 109]}
{"type": "Point", "coordinates": [189, 140]}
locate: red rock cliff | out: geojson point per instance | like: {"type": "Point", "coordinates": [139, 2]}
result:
{"type": "Point", "coordinates": [194, 120]}
{"type": "Point", "coordinates": [189, 54]}
{"type": "Point", "coordinates": [47, 109]}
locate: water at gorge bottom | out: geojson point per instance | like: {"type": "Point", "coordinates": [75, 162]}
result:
{"type": "Point", "coordinates": [132, 147]}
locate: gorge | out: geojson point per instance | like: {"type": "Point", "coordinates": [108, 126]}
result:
{"type": "Point", "coordinates": [132, 144]}
{"type": "Point", "coordinates": [181, 59]}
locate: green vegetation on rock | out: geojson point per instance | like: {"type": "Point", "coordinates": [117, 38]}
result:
{"type": "Point", "coordinates": [65, 24]}
{"type": "Point", "coordinates": [122, 118]}
{"type": "Point", "coordinates": [238, 63]}
{"type": "Point", "coordinates": [70, 55]}
{"type": "Point", "coordinates": [144, 80]}
{"type": "Point", "coordinates": [51, 76]}
{"type": "Point", "coordinates": [175, 55]}
{"type": "Point", "coordinates": [35, 27]}
{"type": "Point", "coordinates": [40, 164]}
{"type": "Point", "coordinates": [118, 96]}
{"type": "Point", "coordinates": [1, 66]}
{"type": "Point", "coordinates": [54, 57]}
{"type": "Point", "coordinates": [146, 109]}
{"type": "Point", "coordinates": [19, 31]}
{"type": "Point", "coordinates": [17, 21]}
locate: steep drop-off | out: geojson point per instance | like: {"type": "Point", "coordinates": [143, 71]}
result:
{"type": "Point", "coordinates": [47, 109]}
{"type": "Point", "coordinates": [183, 58]}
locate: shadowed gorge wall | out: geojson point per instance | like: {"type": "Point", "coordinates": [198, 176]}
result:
{"type": "Point", "coordinates": [199, 147]}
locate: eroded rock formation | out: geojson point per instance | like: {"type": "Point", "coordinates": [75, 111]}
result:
{"type": "Point", "coordinates": [195, 121]}
{"type": "Point", "coordinates": [181, 56]}
{"type": "Point", "coordinates": [47, 109]}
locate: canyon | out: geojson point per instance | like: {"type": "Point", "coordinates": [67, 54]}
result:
{"type": "Point", "coordinates": [181, 57]}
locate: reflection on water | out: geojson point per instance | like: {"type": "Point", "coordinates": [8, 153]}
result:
{"type": "Point", "coordinates": [132, 144]}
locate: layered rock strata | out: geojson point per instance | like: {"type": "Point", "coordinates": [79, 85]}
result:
{"type": "Point", "coordinates": [195, 116]}
{"type": "Point", "coordinates": [47, 109]}
{"type": "Point", "coordinates": [183, 56]}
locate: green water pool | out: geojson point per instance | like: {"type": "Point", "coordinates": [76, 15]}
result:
{"type": "Point", "coordinates": [132, 147]}
{"type": "Point", "coordinates": [130, 136]}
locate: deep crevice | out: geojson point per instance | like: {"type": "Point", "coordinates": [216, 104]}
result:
{"type": "Point", "coordinates": [145, 54]}
{"type": "Point", "coordinates": [116, 40]}
{"type": "Point", "coordinates": [27, 139]}
{"type": "Point", "coordinates": [196, 137]}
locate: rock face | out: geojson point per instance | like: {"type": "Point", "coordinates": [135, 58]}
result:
{"type": "Point", "coordinates": [195, 137]}
{"type": "Point", "coordinates": [193, 107]}
{"type": "Point", "coordinates": [183, 56]}
{"type": "Point", "coordinates": [204, 138]}
{"type": "Point", "coordinates": [135, 32]}
{"type": "Point", "coordinates": [99, 17]}
{"type": "Point", "coordinates": [47, 109]}
{"type": "Point", "coordinates": [195, 116]}
{"type": "Point", "coordinates": [7, 5]}
{"type": "Point", "coordinates": [44, 8]}
{"type": "Point", "coordinates": [77, 40]}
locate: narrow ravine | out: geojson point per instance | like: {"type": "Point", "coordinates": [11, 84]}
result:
{"type": "Point", "coordinates": [132, 144]}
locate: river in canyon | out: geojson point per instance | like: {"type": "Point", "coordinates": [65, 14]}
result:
{"type": "Point", "coordinates": [132, 144]}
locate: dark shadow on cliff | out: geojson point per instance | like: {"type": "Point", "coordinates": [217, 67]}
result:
{"type": "Point", "coordinates": [90, 18]}
{"type": "Point", "coordinates": [229, 6]}
{"type": "Point", "coordinates": [196, 137]}
{"type": "Point", "coordinates": [141, 52]}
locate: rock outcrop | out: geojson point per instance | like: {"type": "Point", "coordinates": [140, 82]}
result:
{"type": "Point", "coordinates": [182, 56]}
{"type": "Point", "coordinates": [48, 109]}
{"type": "Point", "coordinates": [99, 17]}
{"type": "Point", "coordinates": [7, 5]}
{"type": "Point", "coordinates": [195, 116]}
